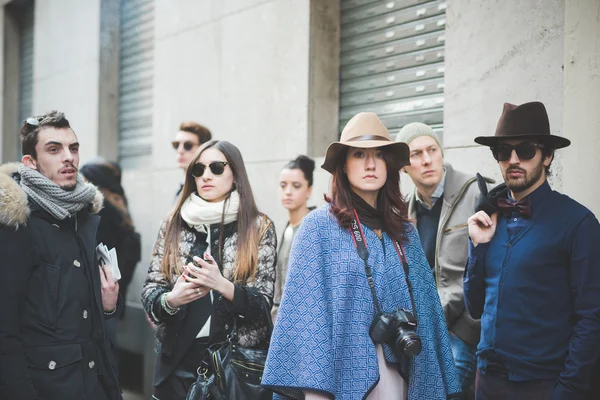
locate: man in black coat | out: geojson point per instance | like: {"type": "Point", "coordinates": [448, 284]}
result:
{"type": "Point", "coordinates": [54, 295]}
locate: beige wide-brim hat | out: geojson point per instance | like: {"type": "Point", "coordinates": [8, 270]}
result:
{"type": "Point", "coordinates": [365, 130]}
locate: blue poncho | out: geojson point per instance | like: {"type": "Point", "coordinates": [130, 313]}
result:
{"type": "Point", "coordinates": [321, 337]}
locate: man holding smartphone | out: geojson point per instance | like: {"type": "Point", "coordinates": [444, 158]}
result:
{"type": "Point", "coordinates": [54, 295]}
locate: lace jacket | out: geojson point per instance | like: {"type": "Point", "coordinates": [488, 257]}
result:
{"type": "Point", "coordinates": [252, 301]}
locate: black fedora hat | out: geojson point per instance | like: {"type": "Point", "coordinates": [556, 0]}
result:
{"type": "Point", "coordinates": [527, 121]}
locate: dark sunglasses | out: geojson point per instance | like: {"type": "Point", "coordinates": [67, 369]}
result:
{"type": "Point", "coordinates": [525, 151]}
{"type": "Point", "coordinates": [187, 146]}
{"type": "Point", "coordinates": [216, 167]}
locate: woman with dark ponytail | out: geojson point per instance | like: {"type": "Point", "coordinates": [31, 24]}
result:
{"type": "Point", "coordinates": [295, 188]}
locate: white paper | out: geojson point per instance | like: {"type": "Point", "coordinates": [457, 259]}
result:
{"type": "Point", "coordinates": [109, 257]}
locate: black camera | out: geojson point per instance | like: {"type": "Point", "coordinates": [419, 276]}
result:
{"type": "Point", "coordinates": [397, 329]}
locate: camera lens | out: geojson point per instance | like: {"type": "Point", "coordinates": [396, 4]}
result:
{"type": "Point", "coordinates": [408, 343]}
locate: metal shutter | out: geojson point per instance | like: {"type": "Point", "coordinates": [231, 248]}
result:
{"type": "Point", "coordinates": [392, 61]}
{"type": "Point", "coordinates": [136, 74]}
{"type": "Point", "coordinates": [25, 64]}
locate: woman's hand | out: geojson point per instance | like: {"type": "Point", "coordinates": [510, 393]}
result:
{"type": "Point", "coordinates": [206, 273]}
{"type": "Point", "coordinates": [482, 227]}
{"type": "Point", "coordinates": [185, 291]}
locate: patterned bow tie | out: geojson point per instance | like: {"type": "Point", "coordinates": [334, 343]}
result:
{"type": "Point", "coordinates": [507, 207]}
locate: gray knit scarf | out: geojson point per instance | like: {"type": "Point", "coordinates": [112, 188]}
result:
{"type": "Point", "coordinates": [58, 202]}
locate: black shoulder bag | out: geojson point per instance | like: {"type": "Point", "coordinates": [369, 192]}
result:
{"type": "Point", "coordinates": [234, 372]}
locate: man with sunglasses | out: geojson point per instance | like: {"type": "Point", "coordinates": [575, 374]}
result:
{"type": "Point", "coordinates": [533, 275]}
{"type": "Point", "coordinates": [190, 137]}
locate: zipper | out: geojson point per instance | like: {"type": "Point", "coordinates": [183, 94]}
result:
{"type": "Point", "coordinates": [453, 228]}
{"type": "Point", "coordinates": [437, 270]}
{"type": "Point", "coordinates": [249, 366]}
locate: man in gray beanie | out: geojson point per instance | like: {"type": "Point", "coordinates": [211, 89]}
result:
{"type": "Point", "coordinates": [442, 202]}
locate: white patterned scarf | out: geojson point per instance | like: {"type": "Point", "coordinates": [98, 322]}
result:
{"type": "Point", "coordinates": [60, 203]}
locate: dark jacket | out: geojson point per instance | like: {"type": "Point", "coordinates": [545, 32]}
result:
{"type": "Point", "coordinates": [52, 332]}
{"type": "Point", "coordinates": [252, 301]}
{"type": "Point", "coordinates": [127, 242]}
{"type": "Point", "coordinates": [116, 228]}
{"type": "Point", "coordinates": [535, 286]}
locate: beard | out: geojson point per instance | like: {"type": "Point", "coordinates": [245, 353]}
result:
{"type": "Point", "coordinates": [68, 187]}
{"type": "Point", "coordinates": [526, 181]}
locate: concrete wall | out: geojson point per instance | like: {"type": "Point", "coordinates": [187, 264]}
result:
{"type": "Point", "coordinates": [9, 30]}
{"type": "Point", "coordinates": [581, 122]}
{"type": "Point", "coordinates": [496, 52]}
{"type": "Point", "coordinates": [66, 66]}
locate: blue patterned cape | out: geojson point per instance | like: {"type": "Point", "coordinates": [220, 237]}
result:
{"type": "Point", "coordinates": [321, 337]}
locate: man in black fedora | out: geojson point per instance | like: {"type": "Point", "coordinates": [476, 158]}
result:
{"type": "Point", "coordinates": [533, 275]}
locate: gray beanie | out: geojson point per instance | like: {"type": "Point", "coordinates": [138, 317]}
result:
{"type": "Point", "coordinates": [411, 131]}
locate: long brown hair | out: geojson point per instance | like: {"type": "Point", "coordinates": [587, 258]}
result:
{"type": "Point", "coordinates": [390, 200]}
{"type": "Point", "coordinates": [249, 232]}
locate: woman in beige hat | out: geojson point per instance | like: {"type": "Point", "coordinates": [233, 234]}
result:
{"type": "Point", "coordinates": [360, 316]}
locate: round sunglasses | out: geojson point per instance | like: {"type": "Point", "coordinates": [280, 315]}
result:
{"type": "Point", "coordinates": [187, 146]}
{"type": "Point", "coordinates": [216, 167]}
{"type": "Point", "coordinates": [525, 151]}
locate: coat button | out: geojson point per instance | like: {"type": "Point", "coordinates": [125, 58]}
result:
{"type": "Point", "coordinates": [77, 263]}
{"type": "Point", "coordinates": [91, 364]}
{"type": "Point", "coordinates": [85, 314]}
{"type": "Point", "coordinates": [52, 365]}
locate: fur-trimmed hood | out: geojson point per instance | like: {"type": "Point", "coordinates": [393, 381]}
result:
{"type": "Point", "coordinates": [14, 205]}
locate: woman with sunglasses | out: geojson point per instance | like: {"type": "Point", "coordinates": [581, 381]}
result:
{"type": "Point", "coordinates": [360, 317]}
{"type": "Point", "coordinates": [295, 188]}
{"type": "Point", "coordinates": [212, 265]}
{"type": "Point", "coordinates": [191, 135]}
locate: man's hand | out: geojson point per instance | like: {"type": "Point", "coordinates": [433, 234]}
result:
{"type": "Point", "coordinates": [110, 289]}
{"type": "Point", "coordinates": [482, 227]}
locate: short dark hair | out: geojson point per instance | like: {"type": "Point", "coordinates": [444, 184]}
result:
{"type": "Point", "coordinates": [32, 126]}
{"type": "Point", "coordinates": [547, 151]}
{"type": "Point", "coordinates": [201, 131]}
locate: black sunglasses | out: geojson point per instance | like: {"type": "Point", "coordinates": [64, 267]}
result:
{"type": "Point", "coordinates": [187, 146]}
{"type": "Point", "coordinates": [525, 151]}
{"type": "Point", "coordinates": [216, 167]}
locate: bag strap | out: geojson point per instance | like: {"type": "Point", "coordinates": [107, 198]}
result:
{"type": "Point", "coordinates": [361, 248]}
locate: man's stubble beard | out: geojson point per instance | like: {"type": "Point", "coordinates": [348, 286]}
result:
{"type": "Point", "coordinates": [521, 185]}
{"type": "Point", "coordinates": [68, 188]}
